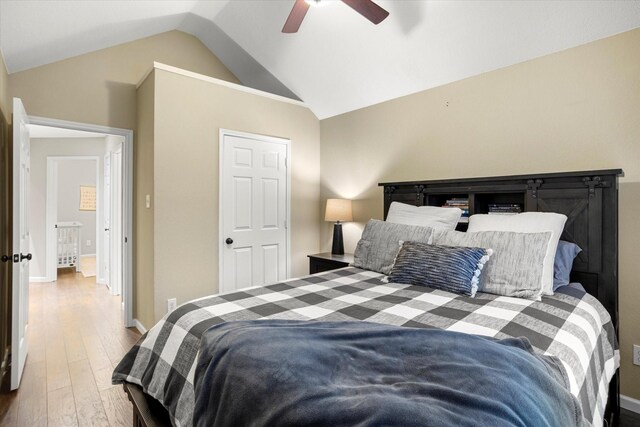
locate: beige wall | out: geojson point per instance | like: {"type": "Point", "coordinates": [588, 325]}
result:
{"type": "Point", "coordinates": [188, 116]}
{"type": "Point", "coordinates": [4, 91]}
{"type": "Point", "coordinates": [99, 87]}
{"type": "Point", "coordinates": [72, 174]}
{"type": "Point", "coordinates": [142, 217]}
{"type": "Point", "coordinates": [574, 110]}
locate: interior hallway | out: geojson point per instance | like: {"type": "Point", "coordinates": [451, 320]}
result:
{"type": "Point", "coordinates": [76, 337]}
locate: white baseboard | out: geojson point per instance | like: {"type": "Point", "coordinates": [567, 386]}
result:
{"type": "Point", "coordinates": [630, 404]}
{"type": "Point", "coordinates": [39, 280]}
{"type": "Point", "coordinates": [101, 282]}
{"type": "Point", "coordinates": [87, 255]}
{"type": "Point", "coordinates": [139, 326]}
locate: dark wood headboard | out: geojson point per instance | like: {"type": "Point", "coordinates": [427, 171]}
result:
{"type": "Point", "coordinates": [589, 199]}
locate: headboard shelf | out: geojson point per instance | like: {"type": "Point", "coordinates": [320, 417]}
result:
{"type": "Point", "coordinates": [589, 199]}
{"type": "Point", "coordinates": [518, 178]}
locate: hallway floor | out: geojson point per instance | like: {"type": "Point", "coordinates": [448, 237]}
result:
{"type": "Point", "coordinates": [88, 265]}
{"type": "Point", "coordinates": [76, 337]}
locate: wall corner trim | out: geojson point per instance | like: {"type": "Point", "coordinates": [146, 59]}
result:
{"type": "Point", "coordinates": [630, 404]}
{"type": "Point", "coordinates": [139, 326]}
{"type": "Point", "coordinates": [238, 87]}
{"type": "Point", "coordinates": [145, 75]}
{"type": "Point", "coordinates": [6, 67]}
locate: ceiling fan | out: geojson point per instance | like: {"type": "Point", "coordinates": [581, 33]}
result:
{"type": "Point", "coordinates": [366, 8]}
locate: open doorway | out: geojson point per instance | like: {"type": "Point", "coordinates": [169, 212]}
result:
{"type": "Point", "coordinates": [80, 214]}
{"type": "Point", "coordinates": [73, 206]}
{"type": "Point", "coordinates": [25, 129]}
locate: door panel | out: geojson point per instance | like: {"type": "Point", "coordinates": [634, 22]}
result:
{"type": "Point", "coordinates": [243, 157]}
{"type": "Point", "coordinates": [270, 160]}
{"type": "Point", "coordinates": [270, 203]}
{"type": "Point", "coordinates": [253, 211]}
{"type": "Point", "coordinates": [21, 237]}
{"type": "Point", "coordinates": [584, 219]}
{"type": "Point", "coordinates": [243, 195]}
{"type": "Point", "coordinates": [243, 258]}
{"type": "Point", "coordinates": [270, 255]}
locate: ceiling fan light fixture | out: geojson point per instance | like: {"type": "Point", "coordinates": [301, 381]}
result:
{"type": "Point", "coordinates": [317, 3]}
{"type": "Point", "coordinates": [367, 8]}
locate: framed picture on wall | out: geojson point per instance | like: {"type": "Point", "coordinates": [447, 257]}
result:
{"type": "Point", "coordinates": [87, 198]}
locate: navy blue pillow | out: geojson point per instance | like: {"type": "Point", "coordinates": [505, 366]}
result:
{"type": "Point", "coordinates": [448, 268]}
{"type": "Point", "coordinates": [563, 263]}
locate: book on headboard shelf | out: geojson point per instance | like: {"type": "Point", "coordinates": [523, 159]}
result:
{"type": "Point", "coordinates": [504, 208]}
{"type": "Point", "coordinates": [459, 202]}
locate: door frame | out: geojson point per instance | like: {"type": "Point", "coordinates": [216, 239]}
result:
{"type": "Point", "coordinates": [288, 162]}
{"type": "Point", "coordinates": [106, 245]}
{"type": "Point", "coordinates": [127, 187]}
{"type": "Point", "coordinates": [51, 208]}
{"type": "Point", "coordinates": [119, 225]}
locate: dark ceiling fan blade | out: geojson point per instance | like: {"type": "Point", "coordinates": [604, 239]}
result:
{"type": "Point", "coordinates": [296, 16]}
{"type": "Point", "coordinates": [368, 9]}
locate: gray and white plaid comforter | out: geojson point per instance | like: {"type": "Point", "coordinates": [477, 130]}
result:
{"type": "Point", "coordinates": [576, 329]}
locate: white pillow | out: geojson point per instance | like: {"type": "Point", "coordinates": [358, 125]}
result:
{"type": "Point", "coordinates": [425, 216]}
{"type": "Point", "coordinates": [528, 222]}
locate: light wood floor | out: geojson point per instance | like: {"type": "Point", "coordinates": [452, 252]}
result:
{"type": "Point", "coordinates": [76, 337]}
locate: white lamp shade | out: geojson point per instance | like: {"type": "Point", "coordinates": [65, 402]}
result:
{"type": "Point", "coordinates": [338, 210]}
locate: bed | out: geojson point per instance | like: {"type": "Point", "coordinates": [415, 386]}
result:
{"type": "Point", "coordinates": [579, 328]}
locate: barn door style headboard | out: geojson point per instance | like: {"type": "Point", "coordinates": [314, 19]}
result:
{"type": "Point", "coordinates": [589, 199]}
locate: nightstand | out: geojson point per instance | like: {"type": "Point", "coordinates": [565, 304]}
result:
{"type": "Point", "coordinates": [327, 261]}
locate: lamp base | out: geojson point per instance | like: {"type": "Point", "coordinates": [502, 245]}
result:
{"type": "Point", "coordinates": [338, 244]}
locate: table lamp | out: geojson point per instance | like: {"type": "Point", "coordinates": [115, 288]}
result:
{"type": "Point", "coordinates": [338, 210]}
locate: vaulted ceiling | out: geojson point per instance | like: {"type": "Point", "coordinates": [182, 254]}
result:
{"type": "Point", "coordinates": [338, 61]}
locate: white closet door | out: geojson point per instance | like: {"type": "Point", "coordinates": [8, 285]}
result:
{"type": "Point", "coordinates": [253, 199]}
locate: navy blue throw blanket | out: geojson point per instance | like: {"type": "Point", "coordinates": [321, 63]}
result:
{"type": "Point", "coordinates": [296, 373]}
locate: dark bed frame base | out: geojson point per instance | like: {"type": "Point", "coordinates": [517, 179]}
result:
{"type": "Point", "coordinates": [590, 201]}
{"type": "Point", "coordinates": [147, 411]}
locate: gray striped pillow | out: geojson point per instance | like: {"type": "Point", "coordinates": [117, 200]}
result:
{"type": "Point", "coordinates": [380, 244]}
{"type": "Point", "coordinates": [448, 268]}
{"type": "Point", "coordinates": [516, 266]}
